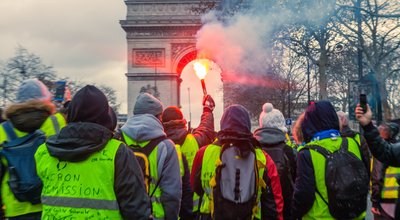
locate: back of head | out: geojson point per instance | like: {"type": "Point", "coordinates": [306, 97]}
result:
{"type": "Point", "coordinates": [147, 104]}
{"type": "Point", "coordinates": [394, 129]}
{"type": "Point", "coordinates": [91, 105]}
{"type": "Point", "coordinates": [171, 113]}
{"type": "Point", "coordinates": [32, 106]}
{"type": "Point", "coordinates": [272, 118]}
{"type": "Point", "coordinates": [343, 118]}
{"type": "Point", "coordinates": [236, 118]}
{"type": "Point", "coordinates": [319, 116]}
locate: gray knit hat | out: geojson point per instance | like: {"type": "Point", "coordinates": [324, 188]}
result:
{"type": "Point", "coordinates": [33, 89]}
{"type": "Point", "coordinates": [147, 104]}
{"type": "Point", "coordinates": [272, 118]}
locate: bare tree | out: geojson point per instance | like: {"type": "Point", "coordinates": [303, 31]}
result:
{"type": "Point", "coordinates": [380, 27]}
{"type": "Point", "coordinates": [23, 65]}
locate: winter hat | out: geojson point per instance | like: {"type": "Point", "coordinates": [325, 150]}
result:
{"type": "Point", "coordinates": [319, 116]}
{"type": "Point", "coordinates": [172, 113]}
{"type": "Point", "coordinates": [147, 104]}
{"type": "Point", "coordinates": [272, 118]}
{"type": "Point", "coordinates": [91, 105]}
{"type": "Point", "coordinates": [33, 89]}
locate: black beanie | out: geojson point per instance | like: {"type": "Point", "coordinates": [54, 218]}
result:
{"type": "Point", "coordinates": [172, 113]}
{"type": "Point", "coordinates": [91, 105]}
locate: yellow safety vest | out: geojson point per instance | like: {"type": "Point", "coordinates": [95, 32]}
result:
{"type": "Point", "coordinates": [320, 209]}
{"type": "Point", "coordinates": [390, 188]}
{"type": "Point", "coordinates": [13, 207]}
{"type": "Point", "coordinates": [82, 190]}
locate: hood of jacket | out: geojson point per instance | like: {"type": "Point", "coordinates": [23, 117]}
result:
{"type": "Point", "coordinates": [78, 140]}
{"type": "Point", "coordinates": [90, 104]}
{"type": "Point", "coordinates": [269, 136]}
{"type": "Point", "coordinates": [143, 127]}
{"type": "Point", "coordinates": [319, 116]}
{"type": "Point", "coordinates": [29, 116]}
{"type": "Point", "coordinates": [176, 130]}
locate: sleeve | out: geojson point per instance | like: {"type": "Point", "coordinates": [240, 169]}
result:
{"type": "Point", "coordinates": [205, 134]}
{"type": "Point", "coordinates": [271, 197]}
{"type": "Point", "coordinates": [195, 177]}
{"type": "Point", "coordinates": [376, 182]}
{"type": "Point", "coordinates": [304, 189]}
{"type": "Point", "coordinates": [380, 149]}
{"type": "Point", "coordinates": [186, 212]}
{"type": "Point", "coordinates": [129, 186]}
{"type": "Point", "coordinates": [171, 182]}
{"type": "Point", "coordinates": [366, 155]}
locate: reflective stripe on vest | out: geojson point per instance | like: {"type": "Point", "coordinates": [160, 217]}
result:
{"type": "Point", "coordinates": [14, 207]}
{"type": "Point", "coordinates": [390, 185]}
{"type": "Point", "coordinates": [80, 202]}
{"type": "Point", "coordinates": [211, 156]}
{"type": "Point", "coordinates": [84, 188]}
{"type": "Point", "coordinates": [319, 209]}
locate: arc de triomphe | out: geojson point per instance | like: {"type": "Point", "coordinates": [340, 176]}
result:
{"type": "Point", "coordinates": [161, 40]}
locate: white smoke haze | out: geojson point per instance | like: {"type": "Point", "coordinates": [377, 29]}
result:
{"type": "Point", "coordinates": [241, 43]}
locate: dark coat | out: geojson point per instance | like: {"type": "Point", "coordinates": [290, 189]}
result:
{"type": "Point", "coordinates": [273, 141]}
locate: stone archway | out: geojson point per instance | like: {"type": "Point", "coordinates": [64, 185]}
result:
{"type": "Point", "coordinates": [161, 39]}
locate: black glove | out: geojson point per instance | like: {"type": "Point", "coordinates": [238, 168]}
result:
{"type": "Point", "coordinates": [208, 103]}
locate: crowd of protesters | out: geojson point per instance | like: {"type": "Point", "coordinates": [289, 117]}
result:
{"type": "Point", "coordinates": [154, 167]}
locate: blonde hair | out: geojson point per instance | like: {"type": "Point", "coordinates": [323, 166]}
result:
{"type": "Point", "coordinates": [296, 130]}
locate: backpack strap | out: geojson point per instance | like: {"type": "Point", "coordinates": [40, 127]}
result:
{"type": "Point", "coordinates": [148, 148]}
{"type": "Point", "coordinates": [56, 125]}
{"type": "Point", "coordinates": [319, 149]}
{"type": "Point", "coordinates": [147, 151]}
{"type": "Point", "coordinates": [8, 128]}
{"type": "Point", "coordinates": [345, 145]}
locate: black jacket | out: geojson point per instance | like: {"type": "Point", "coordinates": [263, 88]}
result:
{"type": "Point", "coordinates": [78, 140]}
{"type": "Point", "coordinates": [386, 152]}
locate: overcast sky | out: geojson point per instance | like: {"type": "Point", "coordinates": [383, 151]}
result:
{"type": "Point", "coordinates": [81, 39]}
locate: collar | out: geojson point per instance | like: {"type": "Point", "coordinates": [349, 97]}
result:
{"type": "Point", "coordinates": [332, 133]}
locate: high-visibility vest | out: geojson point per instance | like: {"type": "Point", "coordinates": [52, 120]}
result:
{"type": "Point", "coordinates": [157, 207]}
{"type": "Point", "coordinates": [320, 209]}
{"type": "Point", "coordinates": [13, 207]}
{"type": "Point", "coordinates": [189, 148]}
{"type": "Point", "coordinates": [82, 190]}
{"type": "Point", "coordinates": [208, 168]}
{"type": "Point", "coordinates": [390, 188]}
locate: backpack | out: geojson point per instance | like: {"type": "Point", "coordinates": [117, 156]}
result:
{"type": "Point", "coordinates": [19, 153]}
{"type": "Point", "coordinates": [142, 154]}
{"type": "Point", "coordinates": [346, 180]}
{"type": "Point", "coordinates": [236, 183]}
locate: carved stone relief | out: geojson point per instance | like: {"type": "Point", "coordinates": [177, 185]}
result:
{"type": "Point", "coordinates": [148, 57]}
{"type": "Point", "coordinates": [177, 48]}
